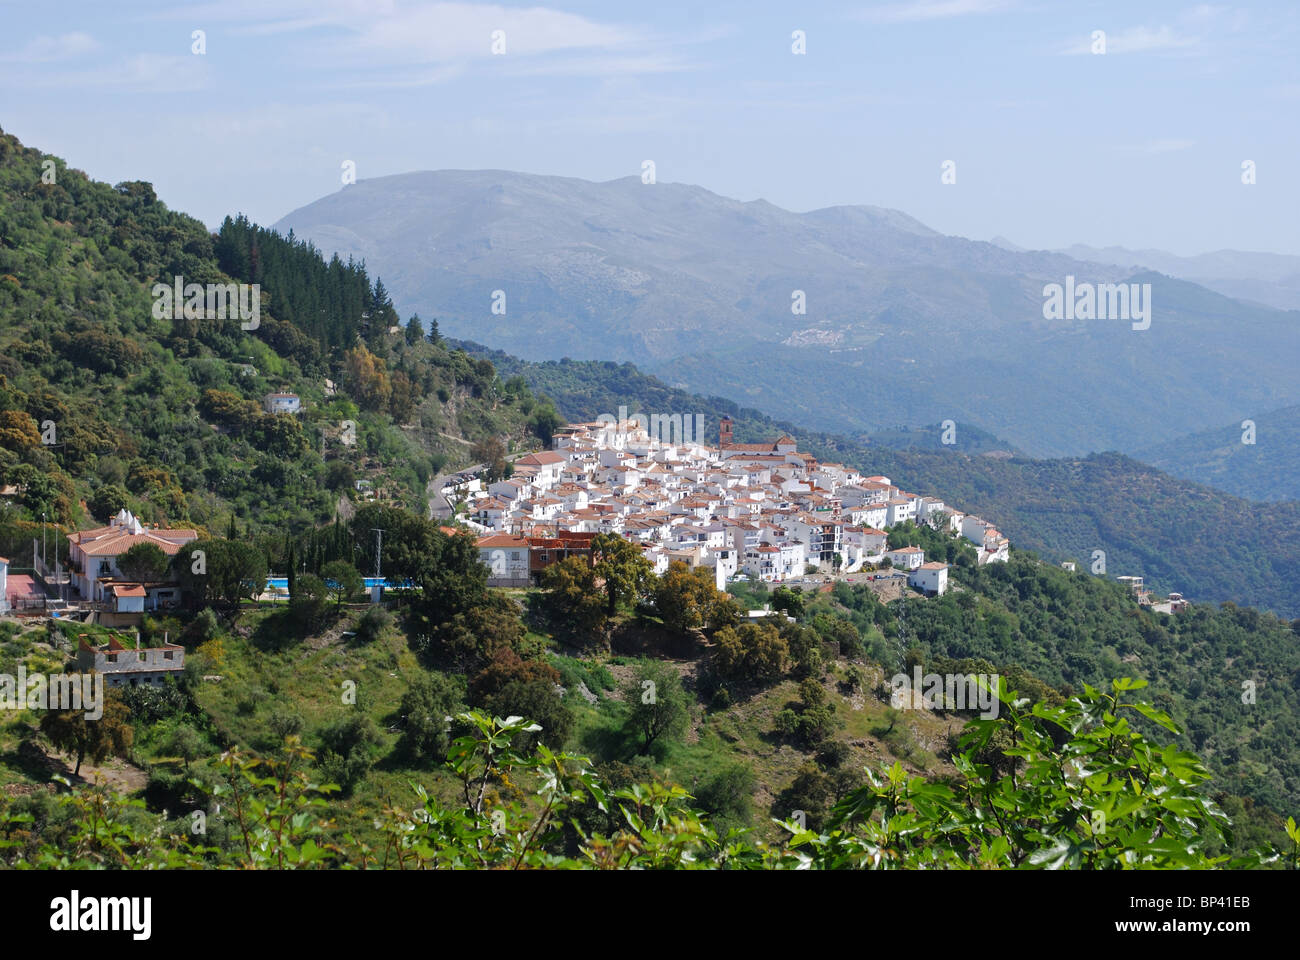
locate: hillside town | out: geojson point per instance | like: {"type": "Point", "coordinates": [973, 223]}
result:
{"type": "Point", "coordinates": [762, 511]}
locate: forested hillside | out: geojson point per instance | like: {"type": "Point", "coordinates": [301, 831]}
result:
{"type": "Point", "coordinates": [1257, 457]}
{"type": "Point", "coordinates": [1180, 535]}
{"type": "Point", "coordinates": [105, 405]}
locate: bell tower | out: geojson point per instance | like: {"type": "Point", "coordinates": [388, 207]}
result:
{"type": "Point", "coordinates": [724, 431]}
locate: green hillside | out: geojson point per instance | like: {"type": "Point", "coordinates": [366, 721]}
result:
{"type": "Point", "coordinates": [103, 405]}
{"type": "Point", "coordinates": [1262, 463]}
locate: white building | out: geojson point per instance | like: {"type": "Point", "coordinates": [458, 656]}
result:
{"type": "Point", "coordinates": [282, 403]}
{"type": "Point", "coordinates": [907, 558]}
{"type": "Point", "coordinates": [545, 467]}
{"type": "Point", "coordinates": [930, 578]}
{"type": "Point", "coordinates": [506, 558]}
{"type": "Point", "coordinates": [93, 554]}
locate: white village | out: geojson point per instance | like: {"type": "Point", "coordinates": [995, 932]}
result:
{"type": "Point", "coordinates": [760, 511]}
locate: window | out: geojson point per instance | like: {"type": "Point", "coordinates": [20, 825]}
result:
{"type": "Point", "coordinates": [111, 658]}
{"type": "Point", "coordinates": [168, 655]}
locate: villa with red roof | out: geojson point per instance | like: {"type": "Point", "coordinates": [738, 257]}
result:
{"type": "Point", "coordinates": [93, 554]}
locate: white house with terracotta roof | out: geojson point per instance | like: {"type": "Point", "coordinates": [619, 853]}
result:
{"type": "Point", "coordinates": [93, 554]}
{"type": "Point", "coordinates": [908, 558]}
{"type": "Point", "coordinates": [128, 598]}
{"type": "Point", "coordinates": [545, 467]}
{"type": "Point", "coordinates": [901, 509]}
{"type": "Point", "coordinates": [506, 558]}
{"type": "Point", "coordinates": [930, 578]}
{"type": "Point", "coordinates": [863, 545]}
{"type": "Point", "coordinates": [874, 515]}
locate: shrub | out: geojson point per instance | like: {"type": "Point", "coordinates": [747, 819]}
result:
{"type": "Point", "coordinates": [372, 623]}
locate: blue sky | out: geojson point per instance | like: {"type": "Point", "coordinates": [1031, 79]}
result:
{"type": "Point", "coordinates": [1053, 145]}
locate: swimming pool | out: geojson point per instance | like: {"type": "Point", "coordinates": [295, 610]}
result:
{"type": "Point", "coordinates": [282, 583]}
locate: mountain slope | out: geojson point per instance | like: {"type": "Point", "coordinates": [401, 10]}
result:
{"type": "Point", "coordinates": [900, 324]}
{"type": "Point", "coordinates": [104, 405]}
{"type": "Point", "coordinates": [1268, 468]}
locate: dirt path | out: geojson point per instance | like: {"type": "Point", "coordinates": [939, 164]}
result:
{"type": "Point", "coordinates": [119, 775]}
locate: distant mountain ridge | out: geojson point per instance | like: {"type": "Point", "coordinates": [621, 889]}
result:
{"type": "Point", "coordinates": [1272, 279]}
{"type": "Point", "coordinates": [849, 319]}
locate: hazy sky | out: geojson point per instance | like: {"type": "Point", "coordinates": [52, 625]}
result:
{"type": "Point", "coordinates": [1142, 146]}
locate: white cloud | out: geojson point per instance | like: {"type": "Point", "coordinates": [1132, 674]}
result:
{"type": "Point", "coordinates": [418, 31]}
{"type": "Point", "coordinates": [450, 31]}
{"type": "Point", "coordinates": [933, 10]}
{"type": "Point", "coordinates": [52, 49]}
{"type": "Point", "coordinates": [1166, 145]}
{"type": "Point", "coordinates": [141, 73]}
{"type": "Point", "coordinates": [1134, 40]}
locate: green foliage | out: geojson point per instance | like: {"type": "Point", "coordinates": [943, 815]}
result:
{"type": "Point", "coordinates": [220, 571]}
{"type": "Point", "coordinates": [688, 599]}
{"type": "Point", "coordinates": [143, 562]}
{"type": "Point", "coordinates": [425, 714]}
{"type": "Point", "coordinates": [573, 601]}
{"type": "Point", "coordinates": [727, 797]}
{"type": "Point", "coordinates": [164, 415]}
{"type": "Point", "coordinates": [623, 566]}
{"type": "Point", "coordinates": [659, 710]}
{"type": "Point", "coordinates": [96, 739]}
{"type": "Point", "coordinates": [1090, 793]}
{"type": "Point", "coordinates": [753, 653]}
{"type": "Point", "coordinates": [348, 749]}
{"type": "Point", "coordinates": [372, 623]}
{"type": "Point", "coordinates": [342, 581]}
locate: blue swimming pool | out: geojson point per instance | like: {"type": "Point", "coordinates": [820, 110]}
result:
{"type": "Point", "coordinates": [282, 583]}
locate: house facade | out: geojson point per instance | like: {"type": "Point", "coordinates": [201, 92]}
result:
{"type": "Point", "coordinates": [93, 554]}
{"type": "Point", "coordinates": [131, 666]}
{"type": "Point", "coordinates": [282, 403]}
{"type": "Point", "coordinates": [930, 578]}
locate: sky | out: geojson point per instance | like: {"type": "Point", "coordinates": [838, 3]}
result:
{"type": "Point", "coordinates": [1051, 143]}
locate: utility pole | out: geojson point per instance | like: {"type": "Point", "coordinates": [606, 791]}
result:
{"type": "Point", "coordinates": [379, 549]}
{"type": "Point", "coordinates": [42, 541]}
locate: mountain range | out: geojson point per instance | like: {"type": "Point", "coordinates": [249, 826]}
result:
{"type": "Point", "coordinates": [847, 319]}
{"type": "Point", "coordinates": [1272, 279]}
